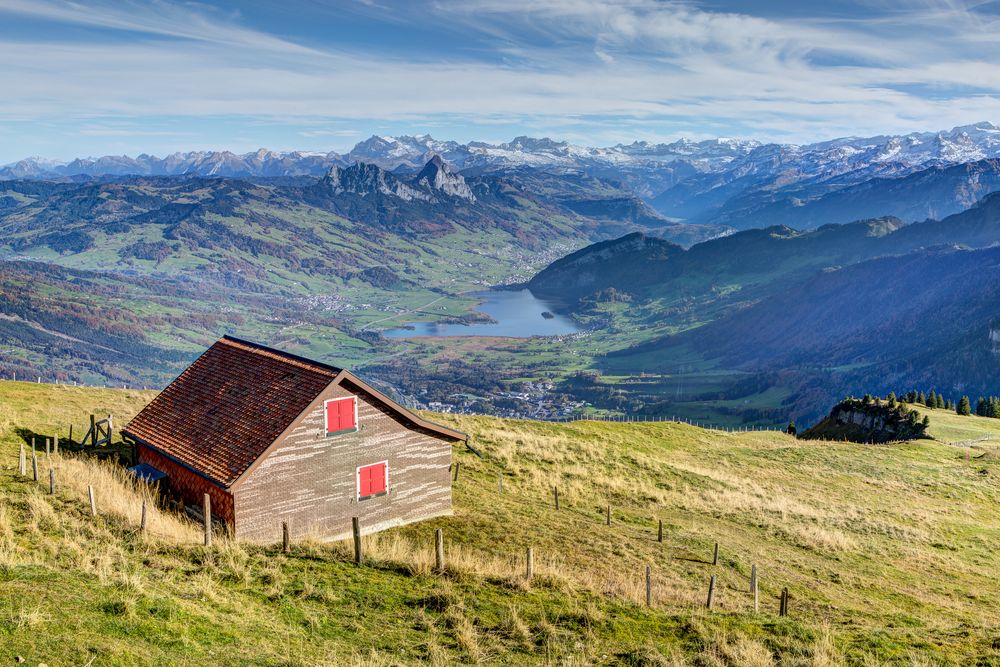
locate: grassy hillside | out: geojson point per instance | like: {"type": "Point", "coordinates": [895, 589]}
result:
{"type": "Point", "coordinates": [888, 553]}
{"type": "Point", "coordinates": [947, 426]}
{"type": "Point", "coordinates": [123, 281]}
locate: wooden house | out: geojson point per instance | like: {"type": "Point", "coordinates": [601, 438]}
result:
{"type": "Point", "coordinates": [273, 437]}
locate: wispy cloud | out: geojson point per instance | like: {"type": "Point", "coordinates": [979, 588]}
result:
{"type": "Point", "coordinates": [155, 17]}
{"type": "Point", "coordinates": [599, 70]}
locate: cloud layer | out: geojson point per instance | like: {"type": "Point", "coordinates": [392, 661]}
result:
{"type": "Point", "coordinates": [156, 76]}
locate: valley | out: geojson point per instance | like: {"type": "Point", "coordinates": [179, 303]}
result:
{"type": "Point", "coordinates": [116, 273]}
{"type": "Point", "coordinates": [585, 333]}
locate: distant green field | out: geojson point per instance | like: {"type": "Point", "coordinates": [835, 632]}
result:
{"type": "Point", "coordinates": [888, 553]}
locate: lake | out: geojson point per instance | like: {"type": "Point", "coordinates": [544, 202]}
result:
{"type": "Point", "coordinates": [518, 314]}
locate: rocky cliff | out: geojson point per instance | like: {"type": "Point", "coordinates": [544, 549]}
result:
{"type": "Point", "coordinates": [868, 420]}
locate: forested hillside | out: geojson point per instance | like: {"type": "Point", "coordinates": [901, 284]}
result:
{"type": "Point", "coordinates": [121, 280]}
{"type": "Point", "coordinates": [124, 279]}
{"type": "Point", "coordinates": [786, 321]}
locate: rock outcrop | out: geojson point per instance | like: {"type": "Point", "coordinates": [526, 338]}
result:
{"type": "Point", "coordinates": [869, 420]}
{"type": "Point", "coordinates": [437, 175]}
{"type": "Point", "coordinates": [366, 179]}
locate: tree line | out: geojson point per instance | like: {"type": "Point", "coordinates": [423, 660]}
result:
{"type": "Point", "coordinates": [985, 407]}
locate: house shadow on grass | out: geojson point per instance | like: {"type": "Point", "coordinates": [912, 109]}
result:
{"type": "Point", "coordinates": [119, 451]}
{"type": "Point", "coordinates": [30, 437]}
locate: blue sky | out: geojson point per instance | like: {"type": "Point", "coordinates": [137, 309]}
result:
{"type": "Point", "coordinates": [95, 77]}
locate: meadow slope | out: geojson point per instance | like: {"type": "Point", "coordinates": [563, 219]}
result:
{"type": "Point", "coordinates": [888, 553]}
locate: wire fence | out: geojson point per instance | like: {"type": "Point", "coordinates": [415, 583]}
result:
{"type": "Point", "coordinates": [658, 419]}
{"type": "Point", "coordinates": [38, 379]}
{"type": "Point", "coordinates": [565, 419]}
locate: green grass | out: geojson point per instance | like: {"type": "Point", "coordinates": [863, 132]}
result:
{"type": "Point", "coordinates": [888, 552]}
{"type": "Point", "coordinates": [948, 426]}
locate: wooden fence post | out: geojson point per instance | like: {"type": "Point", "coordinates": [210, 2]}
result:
{"type": "Point", "coordinates": [93, 428]}
{"type": "Point", "coordinates": [755, 588]}
{"type": "Point", "coordinates": [356, 530]}
{"type": "Point", "coordinates": [55, 444]}
{"type": "Point", "coordinates": [93, 503]}
{"type": "Point", "coordinates": [439, 551]}
{"type": "Point", "coordinates": [48, 447]}
{"type": "Point", "coordinates": [608, 520]}
{"type": "Point", "coordinates": [34, 465]}
{"type": "Point", "coordinates": [711, 592]}
{"type": "Point", "coordinates": [286, 545]}
{"type": "Point", "coordinates": [457, 464]}
{"type": "Point", "coordinates": [649, 587]}
{"type": "Point", "coordinates": [715, 556]}
{"type": "Point", "coordinates": [22, 462]}
{"type": "Point", "coordinates": [500, 480]}
{"type": "Point", "coordinates": [142, 519]}
{"type": "Point", "coordinates": [783, 607]}
{"type": "Point", "coordinates": [207, 512]}
{"type": "Point", "coordinates": [659, 532]}
{"type": "Point", "coordinates": [529, 570]}
{"type": "Point", "coordinates": [555, 491]}
{"type": "Point", "coordinates": [52, 481]}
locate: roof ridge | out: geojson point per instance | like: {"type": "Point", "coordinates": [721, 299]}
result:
{"type": "Point", "coordinates": [287, 357]}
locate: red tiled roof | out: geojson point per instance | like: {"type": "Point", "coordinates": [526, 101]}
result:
{"type": "Point", "coordinates": [221, 413]}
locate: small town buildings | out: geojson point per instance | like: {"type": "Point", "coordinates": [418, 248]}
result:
{"type": "Point", "coordinates": [273, 437]}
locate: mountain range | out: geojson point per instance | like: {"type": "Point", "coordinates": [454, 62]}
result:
{"type": "Point", "coordinates": [744, 157]}
{"type": "Point", "coordinates": [166, 219]}
{"type": "Point", "coordinates": [776, 180]}
{"type": "Point", "coordinates": [873, 305]}
{"type": "Point", "coordinates": [933, 192]}
{"type": "Point", "coordinates": [669, 256]}
{"type": "Point", "coordinates": [651, 267]}
{"type": "Point", "coordinates": [725, 183]}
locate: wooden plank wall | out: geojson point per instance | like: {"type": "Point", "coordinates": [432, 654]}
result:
{"type": "Point", "coordinates": [309, 479]}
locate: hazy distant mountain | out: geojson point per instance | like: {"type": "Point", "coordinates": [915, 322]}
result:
{"type": "Point", "coordinates": [261, 163]}
{"type": "Point", "coordinates": [790, 176]}
{"type": "Point", "coordinates": [753, 258]}
{"type": "Point", "coordinates": [728, 182]}
{"type": "Point", "coordinates": [407, 152]}
{"type": "Point", "coordinates": [935, 192]}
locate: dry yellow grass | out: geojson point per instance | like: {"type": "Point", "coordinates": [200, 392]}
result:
{"type": "Point", "coordinates": [120, 494]}
{"type": "Point", "coordinates": [878, 546]}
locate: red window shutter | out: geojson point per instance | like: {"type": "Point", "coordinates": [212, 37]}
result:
{"type": "Point", "coordinates": [378, 478]}
{"type": "Point", "coordinates": [340, 415]}
{"type": "Point", "coordinates": [347, 413]}
{"type": "Point", "coordinates": [364, 482]}
{"type": "Point", "coordinates": [332, 416]}
{"type": "Point", "coordinates": [371, 480]}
